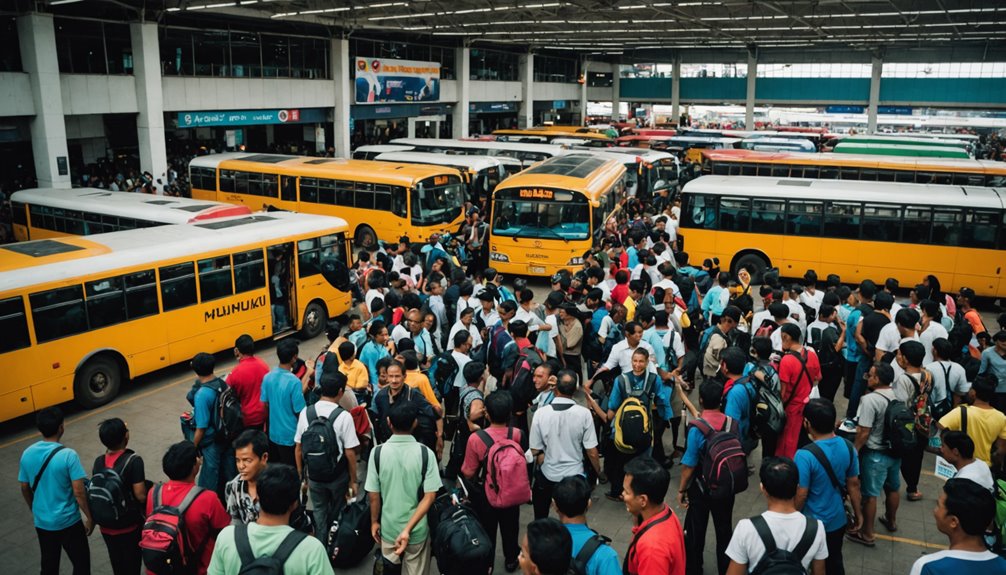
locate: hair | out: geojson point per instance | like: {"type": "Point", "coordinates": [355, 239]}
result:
{"type": "Point", "coordinates": [245, 344]}
{"type": "Point", "coordinates": [647, 315]}
{"type": "Point", "coordinates": [550, 546]}
{"type": "Point", "coordinates": [907, 318]}
{"type": "Point", "coordinates": [48, 421]}
{"type": "Point", "coordinates": [517, 328]}
{"type": "Point", "coordinates": [885, 373]}
{"type": "Point", "coordinates": [1000, 336]}
{"type": "Point", "coordinates": [826, 310]}
{"type": "Point", "coordinates": [637, 286]}
{"type": "Point", "coordinates": [642, 352]}
{"type": "Point", "coordinates": [278, 488]}
{"type": "Point", "coordinates": [779, 477]}
{"type": "Point", "coordinates": [499, 405]}
{"type": "Point", "coordinates": [572, 495]}
{"type": "Point", "coordinates": [733, 312]}
{"type": "Point", "coordinates": [406, 344]}
{"type": "Point", "coordinates": [735, 359]}
{"type": "Point", "coordinates": [472, 371]}
{"type": "Point", "coordinates": [913, 352]}
{"type": "Point", "coordinates": [649, 478]}
{"type": "Point", "coordinates": [820, 414]}
{"type": "Point", "coordinates": [411, 360]}
{"type": "Point", "coordinates": [792, 330]}
{"type": "Point", "coordinates": [466, 311]}
{"type": "Point", "coordinates": [347, 350]}
{"type": "Point", "coordinates": [960, 441]}
{"type": "Point", "coordinates": [179, 460]}
{"type": "Point", "coordinates": [204, 363]}
{"type": "Point", "coordinates": [332, 383]}
{"type": "Point", "coordinates": [831, 298]}
{"type": "Point", "coordinates": [921, 291]}
{"type": "Point", "coordinates": [972, 505]}
{"type": "Point", "coordinates": [843, 293]}
{"type": "Point", "coordinates": [462, 336]}
{"type": "Point", "coordinates": [622, 277]}
{"type": "Point", "coordinates": [931, 308]}
{"type": "Point", "coordinates": [112, 433]}
{"type": "Point", "coordinates": [286, 350]}
{"type": "Point", "coordinates": [711, 393]}
{"type": "Point", "coordinates": [509, 306]}
{"type": "Point", "coordinates": [258, 441]}
{"type": "Point", "coordinates": [883, 301]}
{"type": "Point", "coordinates": [867, 289]}
{"type": "Point", "coordinates": [891, 284]}
{"type": "Point", "coordinates": [778, 310]}
{"type": "Point", "coordinates": [762, 347]}
{"type": "Point", "coordinates": [525, 296]}
{"type": "Point", "coordinates": [395, 363]}
{"type": "Point", "coordinates": [985, 387]}
{"type": "Point", "coordinates": [376, 327]}
{"type": "Point", "coordinates": [402, 415]}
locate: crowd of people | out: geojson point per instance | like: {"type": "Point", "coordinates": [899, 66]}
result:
{"type": "Point", "coordinates": [471, 388]}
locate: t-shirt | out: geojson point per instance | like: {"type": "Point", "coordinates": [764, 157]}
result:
{"type": "Point", "coordinates": [871, 412]}
{"type": "Point", "coordinates": [942, 371]}
{"type": "Point", "coordinates": [952, 562]}
{"type": "Point", "coordinates": [398, 482]}
{"type": "Point", "coordinates": [746, 546]}
{"type": "Point", "coordinates": [985, 426]}
{"type": "Point", "coordinates": [796, 382]}
{"type": "Point", "coordinates": [933, 332]}
{"type": "Point", "coordinates": [345, 430]}
{"type": "Point", "coordinates": [661, 549]}
{"type": "Point", "coordinates": [979, 472]}
{"type": "Point", "coordinates": [872, 324]}
{"type": "Point", "coordinates": [421, 383]}
{"type": "Point", "coordinates": [813, 300]}
{"type": "Point", "coordinates": [476, 450]}
{"type": "Point", "coordinates": [562, 435]}
{"type": "Point", "coordinates": [308, 558]}
{"type": "Point", "coordinates": [283, 392]}
{"type": "Point", "coordinates": [204, 518]}
{"type": "Point", "coordinates": [604, 561]}
{"type": "Point", "coordinates": [53, 507]}
{"type": "Point", "coordinates": [995, 364]}
{"type": "Point", "coordinates": [738, 405]}
{"type": "Point", "coordinates": [889, 338]}
{"type": "Point", "coordinates": [824, 502]}
{"type": "Point", "coordinates": [132, 474]}
{"type": "Point", "coordinates": [246, 380]}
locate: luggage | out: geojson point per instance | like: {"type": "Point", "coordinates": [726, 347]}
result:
{"type": "Point", "coordinates": [349, 540]}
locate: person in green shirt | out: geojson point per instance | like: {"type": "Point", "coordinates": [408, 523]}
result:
{"type": "Point", "coordinates": [278, 495]}
{"type": "Point", "coordinates": [402, 487]}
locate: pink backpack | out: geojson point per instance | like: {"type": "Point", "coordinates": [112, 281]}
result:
{"type": "Point", "coordinates": [506, 480]}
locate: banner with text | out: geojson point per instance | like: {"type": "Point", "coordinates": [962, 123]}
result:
{"type": "Point", "coordinates": [251, 117]}
{"type": "Point", "coordinates": [384, 80]}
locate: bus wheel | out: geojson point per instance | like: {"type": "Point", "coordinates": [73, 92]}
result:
{"type": "Point", "coordinates": [754, 263]}
{"type": "Point", "coordinates": [97, 382]}
{"type": "Point", "coordinates": [365, 237]}
{"type": "Point", "coordinates": [315, 320]}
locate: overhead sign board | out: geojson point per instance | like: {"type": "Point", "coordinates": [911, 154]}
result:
{"type": "Point", "coordinates": [384, 80]}
{"type": "Point", "coordinates": [250, 117]}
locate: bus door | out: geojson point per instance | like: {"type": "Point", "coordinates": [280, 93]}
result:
{"type": "Point", "coordinates": [282, 292]}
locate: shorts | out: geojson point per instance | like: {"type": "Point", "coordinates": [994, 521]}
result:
{"type": "Point", "coordinates": [878, 472]}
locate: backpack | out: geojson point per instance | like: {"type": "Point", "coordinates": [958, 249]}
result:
{"type": "Point", "coordinates": [349, 540]}
{"type": "Point", "coordinates": [506, 479]}
{"type": "Point", "coordinates": [768, 413]}
{"type": "Point", "coordinates": [724, 465]}
{"type": "Point", "coordinates": [322, 457]}
{"type": "Point", "coordinates": [777, 561]}
{"type": "Point", "coordinates": [230, 419]}
{"type": "Point", "coordinates": [809, 313]}
{"type": "Point", "coordinates": [528, 359]}
{"type": "Point", "coordinates": [921, 406]}
{"type": "Point", "coordinates": [163, 542]}
{"type": "Point", "coordinates": [615, 335]}
{"type": "Point", "coordinates": [579, 564]}
{"type": "Point", "coordinates": [899, 428]}
{"type": "Point", "coordinates": [826, 354]}
{"type": "Point", "coordinates": [999, 533]}
{"type": "Point", "coordinates": [495, 344]}
{"type": "Point", "coordinates": [110, 499]}
{"type": "Point", "coordinates": [633, 427]}
{"type": "Point", "coordinates": [767, 328]}
{"type": "Point", "coordinates": [265, 564]}
{"type": "Point", "coordinates": [442, 373]}
{"type": "Point", "coordinates": [459, 542]}
{"type": "Point", "coordinates": [707, 336]}
{"type": "Point", "coordinates": [960, 338]}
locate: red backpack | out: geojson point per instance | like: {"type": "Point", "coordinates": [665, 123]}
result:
{"type": "Point", "coordinates": [724, 465]}
{"type": "Point", "coordinates": [163, 543]}
{"type": "Point", "coordinates": [506, 480]}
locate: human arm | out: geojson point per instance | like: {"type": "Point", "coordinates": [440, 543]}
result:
{"type": "Point", "coordinates": [26, 493]}
{"type": "Point", "coordinates": [998, 452]}
{"type": "Point", "coordinates": [375, 516]}
{"type": "Point", "coordinates": [686, 482]}
{"type": "Point", "coordinates": [402, 541]}
{"type": "Point", "coordinates": [265, 416]}
{"type": "Point", "coordinates": [298, 456]}
{"type": "Point", "coordinates": [595, 460]}
{"type": "Point", "coordinates": [679, 388]}
{"type": "Point", "coordinates": [855, 499]}
{"type": "Point", "coordinates": [801, 498]}
{"type": "Point", "coordinates": [816, 567]}
{"type": "Point", "coordinates": [80, 494]}
{"type": "Point", "coordinates": [476, 412]}
{"type": "Point", "coordinates": [862, 434]}
{"type": "Point", "coordinates": [350, 454]}
{"type": "Point", "coordinates": [197, 437]}
{"type": "Point", "coordinates": [736, 568]}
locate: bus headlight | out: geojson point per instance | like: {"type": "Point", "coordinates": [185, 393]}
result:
{"type": "Point", "coordinates": [498, 257]}
{"type": "Point", "coordinates": [577, 261]}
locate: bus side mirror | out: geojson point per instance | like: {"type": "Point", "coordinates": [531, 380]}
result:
{"type": "Point", "coordinates": [336, 273]}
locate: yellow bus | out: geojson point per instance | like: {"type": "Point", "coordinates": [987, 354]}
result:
{"type": "Point", "coordinates": [82, 315]}
{"type": "Point", "coordinates": [41, 213]}
{"type": "Point", "coordinates": [544, 218]}
{"type": "Point", "coordinates": [830, 166]}
{"type": "Point", "coordinates": [379, 200]}
{"type": "Point", "coordinates": [857, 230]}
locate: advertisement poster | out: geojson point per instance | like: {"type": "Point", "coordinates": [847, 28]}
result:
{"type": "Point", "coordinates": [384, 80]}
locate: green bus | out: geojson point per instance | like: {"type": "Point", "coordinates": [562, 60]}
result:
{"type": "Point", "coordinates": [905, 150]}
{"type": "Point", "coordinates": [896, 139]}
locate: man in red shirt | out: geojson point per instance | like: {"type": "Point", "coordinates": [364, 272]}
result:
{"type": "Point", "coordinates": [205, 516]}
{"type": "Point", "coordinates": [246, 379]}
{"type": "Point", "coordinates": [799, 371]}
{"type": "Point", "coordinates": [658, 543]}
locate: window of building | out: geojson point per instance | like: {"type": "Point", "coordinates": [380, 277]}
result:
{"type": "Point", "coordinates": [211, 53]}
{"type": "Point", "coordinates": [943, 70]}
{"type": "Point", "coordinates": [733, 70]}
{"type": "Point", "coordinates": [600, 79]}
{"type": "Point", "coordinates": [494, 65]}
{"type": "Point", "coordinates": [118, 48]}
{"type": "Point", "coordinates": [552, 69]}
{"type": "Point", "coordinates": [246, 55]}
{"type": "Point", "coordinates": [309, 58]}
{"type": "Point", "coordinates": [10, 50]}
{"type": "Point", "coordinates": [176, 52]}
{"type": "Point", "coordinates": [814, 70]}
{"type": "Point", "coordinates": [80, 46]}
{"type": "Point", "coordinates": [275, 56]}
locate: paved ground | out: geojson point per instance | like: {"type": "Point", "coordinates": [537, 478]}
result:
{"type": "Point", "coordinates": [151, 407]}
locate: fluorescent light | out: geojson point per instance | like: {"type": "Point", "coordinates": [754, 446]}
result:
{"type": "Point", "coordinates": [58, 2]}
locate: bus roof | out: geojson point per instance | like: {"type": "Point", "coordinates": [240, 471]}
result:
{"type": "Point", "coordinates": [645, 154]}
{"type": "Point", "coordinates": [549, 132]}
{"type": "Point", "coordinates": [887, 139]}
{"type": "Point", "coordinates": [381, 148]}
{"type": "Point", "coordinates": [858, 160]}
{"type": "Point", "coordinates": [586, 171]}
{"type": "Point", "coordinates": [25, 264]}
{"type": "Point", "coordinates": [307, 166]}
{"type": "Point", "coordinates": [847, 147]}
{"type": "Point", "coordinates": [847, 190]}
{"type": "Point", "coordinates": [476, 163]}
{"type": "Point", "coordinates": [548, 149]}
{"type": "Point", "coordinates": [704, 140]}
{"type": "Point", "coordinates": [164, 209]}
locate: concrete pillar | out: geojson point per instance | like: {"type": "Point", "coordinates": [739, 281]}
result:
{"type": "Point", "coordinates": [525, 116]}
{"type": "Point", "coordinates": [749, 103]}
{"type": "Point", "coordinates": [463, 65]}
{"type": "Point", "coordinates": [676, 88]}
{"type": "Point", "coordinates": [583, 94]}
{"type": "Point", "coordinates": [616, 82]}
{"type": "Point", "coordinates": [871, 110]}
{"type": "Point", "coordinates": [37, 40]}
{"type": "Point", "coordinates": [342, 76]}
{"type": "Point", "coordinates": [149, 101]}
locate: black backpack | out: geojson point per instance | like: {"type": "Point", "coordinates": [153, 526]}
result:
{"type": "Point", "coordinates": [442, 373]}
{"type": "Point", "coordinates": [899, 428]}
{"type": "Point", "coordinates": [578, 566]}
{"type": "Point", "coordinates": [777, 561]}
{"type": "Point", "coordinates": [111, 501]}
{"type": "Point", "coordinates": [229, 417]}
{"type": "Point", "coordinates": [826, 354]}
{"type": "Point", "coordinates": [318, 443]}
{"type": "Point", "coordinates": [349, 540]}
{"type": "Point", "coordinates": [265, 564]}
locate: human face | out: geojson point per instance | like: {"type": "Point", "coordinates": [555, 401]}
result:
{"type": "Point", "coordinates": [250, 465]}
{"type": "Point", "coordinates": [527, 566]}
{"type": "Point", "coordinates": [466, 319]}
{"type": "Point", "coordinates": [415, 323]}
{"type": "Point", "coordinates": [382, 377]}
{"type": "Point", "coordinates": [634, 337]}
{"type": "Point", "coordinates": [871, 378]}
{"type": "Point", "coordinates": [902, 362]}
{"type": "Point", "coordinates": [355, 324]}
{"type": "Point", "coordinates": [634, 504]}
{"type": "Point", "coordinates": [428, 322]}
{"type": "Point", "coordinates": [945, 522]}
{"type": "Point", "coordinates": [382, 337]}
{"type": "Point", "coordinates": [952, 456]}
{"type": "Point", "coordinates": [638, 364]}
{"type": "Point", "coordinates": [1001, 347]}
{"type": "Point", "coordinates": [744, 276]}
{"type": "Point", "coordinates": [395, 378]}
{"type": "Point", "coordinates": [540, 378]}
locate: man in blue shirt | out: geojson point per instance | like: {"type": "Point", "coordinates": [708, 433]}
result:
{"type": "Point", "coordinates": [856, 362]}
{"type": "Point", "coordinates": [994, 363]}
{"type": "Point", "coordinates": [572, 499]}
{"type": "Point", "coordinates": [52, 484]}
{"type": "Point", "coordinates": [738, 394]}
{"type": "Point", "coordinates": [218, 457]}
{"type": "Point", "coordinates": [283, 399]}
{"type": "Point", "coordinates": [816, 494]}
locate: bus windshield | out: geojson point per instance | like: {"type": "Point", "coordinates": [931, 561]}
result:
{"type": "Point", "coordinates": [567, 217]}
{"type": "Point", "coordinates": [437, 200]}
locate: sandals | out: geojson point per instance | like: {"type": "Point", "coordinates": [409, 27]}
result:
{"type": "Point", "coordinates": [857, 537]}
{"type": "Point", "coordinates": [915, 496]}
{"type": "Point", "coordinates": [888, 524]}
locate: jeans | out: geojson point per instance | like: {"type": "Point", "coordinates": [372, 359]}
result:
{"type": "Point", "coordinates": [614, 466]}
{"type": "Point", "coordinates": [328, 498]}
{"type": "Point", "coordinates": [858, 387]}
{"type": "Point", "coordinates": [834, 565]}
{"type": "Point", "coordinates": [73, 540]}
{"type": "Point", "coordinates": [831, 377]}
{"type": "Point", "coordinates": [911, 466]}
{"type": "Point", "coordinates": [508, 522]}
{"type": "Point", "coordinates": [212, 476]}
{"type": "Point", "coordinates": [696, 522]}
{"type": "Point", "coordinates": [541, 494]}
{"type": "Point", "coordinates": [282, 454]}
{"type": "Point", "coordinates": [124, 552]}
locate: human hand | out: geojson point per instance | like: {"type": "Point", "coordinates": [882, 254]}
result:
{"type": "Point", "coordinates": [375, 532]}
{"type": "Point", "coordinates": [88, 526]}
{"type": "Point", "coordinates": [351, 492]}
{"type": "Point", "coordinates": [683, 500]}
{"type": "Point", "coordinates": [401, 542]}
{"type": "Point", "coordinates": [440, 448]}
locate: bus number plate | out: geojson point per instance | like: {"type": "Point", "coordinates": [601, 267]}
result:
{"type": "Point", "coordinates": [536, 269]}
{"type": "Point", "coordinates": [536, 193]}
{"type": "Point", "coordinates": [440, 180]}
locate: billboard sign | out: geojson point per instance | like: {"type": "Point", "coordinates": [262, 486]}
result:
{"type": "Point", "coordinates": [383, 80]}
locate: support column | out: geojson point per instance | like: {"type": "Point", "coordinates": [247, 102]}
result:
{"type": "Point", "coordinates": [616, 83]}
{"type": "Point", "coordinates": [749, 103]}
{"type": "Point", "coordinates": [525, 117]}
{"type": "Point", "coordinates": [676, 88]}
{"type": "Point", "coordinates": [149, 101]}
{"type": "Point", "coordinates": [342, 77]}
{"type": "Point", "coordinates": [37, 41]}
{"type": "Point", "coordinates": [583, 94]}
{"type": "Point", "coordinates": [463, 65]}
{"type": "Point", "coordinates": [871, 110]}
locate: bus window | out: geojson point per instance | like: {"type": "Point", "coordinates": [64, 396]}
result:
{"type": "Point", "coordinates": [946, 227]}
{"type": "Point", "coordinates": [701, 212]}
{"type": "Point", "coordinates": [249, 271]}
{"type": "Point", "coordinates": [227, 180]}
{"type": "Point", "coordinates": [980, 229]}
{"type": "Point", "coordinates": [105, 302]}
{"type": "Point", "coordinates": [841, 220]}
{"type": "Point", "coordinates": [58, 313]}
{"type": "Point", "coordinates": [885, 175]}
{"type": "Point", "coordinates": [399, 201]}
{"type": "Point", "coordinates": [289, 193]}
{"type": "Point", "coordinates": [141, 294]}
{"type": "Point", "coordinates": [364, 197]}
{"type": "Point", "coordinates": [436, 203]}
{"type": "Point", "coordinates": [796, 171]}
{"type": "Point", "coordinates": [943, 178]}
{"type": "Point", "coordinates": [308, 257]}
{"type": "Point", "coordinates": [829, 173]}
{"type": "Point", "coordinates": [309, 190]}
{"type": "Point", "coordinates": [343, 194]}
{"type": "Point", "coordinates": [382, 197]}
{"type": "Point", "coordinates": [848, 173]}
{"type": "Point", "coordinates": [13, 324]}
{"type": "Point", "coordinates": [780, 171]}
{"type": "Point", "coordinates": [749, 170]}
{"type": "Point", "coordinates": [804, 218]}
{"type": "Point", "coordinates": [735, 214]}
{"type": "Point", "coordinates": [880, 223]}
{"type": "Point", "coordinates": [765, 170]}
{"type": "Point", "coordinates": [241, 184]}
{"type": "Point", "coordinates": [568, 219]}
{"type": "Point", "coordinates": [917, 223]}
{"type": "Point", "coordinates": [724, 169]}
{"type": "Point", "coordinates": [924, 178]}
{"type": "Point", "coordinates": [215, 278]}
{"type": "Point", "coordinates": [904, 177]}
{"type": "Point", "coordinates": [1002, 237]}
{"type": "Point", "coordinates": [19, 216]}
{"type": "Point", "coordinates": [812, 172]}
{"type": "Point", "coordinates": [203, 178]}
{"type": "Point", "coordinates": [868, 175]}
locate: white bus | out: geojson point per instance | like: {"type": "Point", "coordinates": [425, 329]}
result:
{"type": "Point", "coordinates": [527, 153]}
{"type": "Point", "coordinates": [648, 173]}
{"type": "Point", "coordinates": [371, 152]}
{"type": "Point", "coordinates": [481, 173]}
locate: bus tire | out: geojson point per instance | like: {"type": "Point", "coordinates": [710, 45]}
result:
{"type": "Point", "coordinates": [315, 320]}
{"type": "Point", "coordinates": [754, 263]}
{"type": "Point", "coordinates": [97, 382]}
{"type": "Point", "coordinates": [365, 237]}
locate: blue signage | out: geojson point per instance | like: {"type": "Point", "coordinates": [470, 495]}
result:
{"type": "Point", "coordinates": [844, 109]}
{"type": "Point", "coordinates": [385, 80]}
{"type": "Point", "coordinates": [559, 105]}
{"type": "Point", "coordinates": [490, 107]}
{"type": "Point", "coordinates": [251, 117]}
{"type": "Point", "coordinates": [895, 110]}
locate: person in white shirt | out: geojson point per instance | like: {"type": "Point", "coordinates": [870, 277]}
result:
{"type": "Point", "coordinates": [930, 328]}
{"type": "Point", "coordinates": [810, 296]}
{"type": "Point", "coordinates": [782, 525]}
{"type": "Point", "coordinates": [462, 347]}
{"type": "Point", "coordinates": [466, 299]}
{"type": "Point", "coordinates": [891, 286]}
{"type": "Point", "coordinates": [768, 296]}
{"type": "Point", "coordinates": [466, 322]}
{"type": "Point", "coordinates": [528, 313]}
{"type": "Point", "coordinates": [621, 353]}
{"type": "Point", "coordinates": [667, 270]}
{"type": "Point", "coordinates": [948, 377]}
{"type": "Point", "coordinates": [892, 335]}
{"type": "Point", "coordinates": [791, 298]}
{"type": "Point", "coordinates": [959, 450]}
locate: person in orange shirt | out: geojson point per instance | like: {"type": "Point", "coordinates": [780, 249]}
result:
{"type": "Point", "coordinates": [965, 299]}
{"type": "Point", "coordinates": [415, 379]}
{"type": "Point", "coordinates": [658, 541]}
{"type": "Point", "coordinates": [357, 377]}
